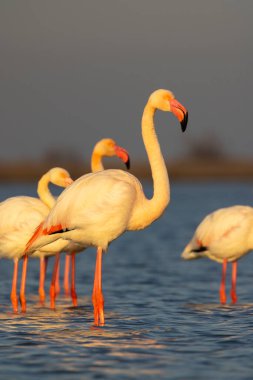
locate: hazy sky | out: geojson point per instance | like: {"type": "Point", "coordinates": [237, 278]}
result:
{"type": "Point", "coordinates": [72, 72]}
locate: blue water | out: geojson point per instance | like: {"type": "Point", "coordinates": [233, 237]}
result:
{"type": "Point", "coordinates": [163, 318]}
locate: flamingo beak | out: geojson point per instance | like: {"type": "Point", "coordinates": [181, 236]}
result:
{"type": "Point", "coordinates": [180, 112]}
{"type": "Point", "coordinates": [68, 181]}
{"type": "Point", "coordinates": [123, 155]}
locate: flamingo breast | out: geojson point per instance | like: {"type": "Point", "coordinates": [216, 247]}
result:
{"type": "Point", "coordinates": [96, 208]}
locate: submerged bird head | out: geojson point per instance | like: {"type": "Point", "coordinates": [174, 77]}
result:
{"type": "Point", "coordinates": [164, 100]}
{"type": "Point", "coordinates": [191, 253]}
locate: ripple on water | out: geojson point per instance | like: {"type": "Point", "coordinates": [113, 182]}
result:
{"type": "Point", "coordinates": [162, 316]}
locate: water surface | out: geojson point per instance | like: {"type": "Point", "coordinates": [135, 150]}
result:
{"type": "Point", "coordinates": [163, 319]}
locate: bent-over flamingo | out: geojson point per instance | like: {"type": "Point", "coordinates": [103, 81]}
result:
{"type": "Point", "coordinates": [224, 236]}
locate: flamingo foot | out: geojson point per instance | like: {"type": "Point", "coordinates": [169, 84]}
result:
{"type": "Point", "coordinates": [52, 297]}
{"type": "Point", "coordinates": [23, 303]}
{"type": "Point", "coordinates": [223, 298]}
{"type": "Point", "coordinates": [233, 296]}
{"type": "Point", "coordinates": [14, 301]}
{"type": "Point", "coordinates": [42, 295]}
{"type": "Point", "coordinates": [74, 297]}
{"type": "Point", "coordinates": [98, 304]}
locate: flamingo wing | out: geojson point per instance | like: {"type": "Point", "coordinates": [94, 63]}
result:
{"type": "Point", "coordinates": [103, 200]}
{"type": "Point", "coordinates": [18, 218]}
{"type": "Point", "coordinates": [222, 234]}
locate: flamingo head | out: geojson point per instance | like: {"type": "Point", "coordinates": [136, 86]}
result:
{"type": "Point", "coordinates": [60, 177]}
{"type": "Point", "coordinates": [164, 100]}
{"type": "Point", "coordinates": [109, 148]}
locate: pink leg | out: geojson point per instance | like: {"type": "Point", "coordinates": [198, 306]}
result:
{"type": "Point", "coordinates": [223, 297]}
{"type": "Point", "coordinates": [23, 283]}
{"type": "Point", "coordinates": [14, 298]}
{"type": "Point", "coordinates": [97, 295]}
{"type": "Point", "coordinates": [66, 274]}
{"type": "Point", "coordinates": [73, 279]}
{"type": "Point", "coordinates": [57, 279]}
{"type": "Point", "coordinates": [43, 270]}
{"type": "Point", "coordinates": [233, 287]}
{"type": "Point", "coordinates": [53, 281]}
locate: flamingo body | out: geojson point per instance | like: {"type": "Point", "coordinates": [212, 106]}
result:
{"type": "Point", "coordinates": [105, 147]}
{"type": "Point", "coordinates": [224, 236]}
{"type": "Point", "coordinates": [226, 233]}
{"type": "Point", "coordinates": [77, 214]}
{"type": "Point", "coordinates": [20, 215]}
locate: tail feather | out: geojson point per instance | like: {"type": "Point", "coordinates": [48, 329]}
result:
{"type": "Point", "coordinates": [38, 232]}
{"type": "Point", "coordinates": [42, 231]}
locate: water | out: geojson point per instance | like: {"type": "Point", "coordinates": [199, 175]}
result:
{"type": "Point", "coordinates": [163, 319]}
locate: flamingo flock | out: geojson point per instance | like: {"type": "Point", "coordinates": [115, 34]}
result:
{"type": "Point", "coordinates": [100, 206]}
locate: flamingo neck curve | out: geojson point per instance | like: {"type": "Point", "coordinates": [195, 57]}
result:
{"type": "Point", "coordinates": [96, 162]}
{"type": "Point", "coordinates": [43, 191]}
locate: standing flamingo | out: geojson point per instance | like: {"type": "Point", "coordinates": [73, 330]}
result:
{"type": "Point", "coordinates": [104, 148]}
{"type": "Point", "coordinates": [18, 218]}
{"type": "Point", "coordinates": [224, 236]}
{"type": "Point", "coordinates": [98, 207]}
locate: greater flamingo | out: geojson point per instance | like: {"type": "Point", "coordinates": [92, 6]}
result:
{"type": "Point", "coordinates": [20, 215]}
{"type": "Point", "coordinates": [104, 148]}
{"type": "Point", "coordinates": [98, 207]}
{"type": "Point", "coordinates": [224, 236]}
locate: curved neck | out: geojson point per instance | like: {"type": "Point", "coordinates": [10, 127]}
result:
{"type": "Point", "coordinates": [96, 162]}
{"type": "Point", "coordinates": [43, 191]}
{"type": "Point", "coordinates": [161, 195]}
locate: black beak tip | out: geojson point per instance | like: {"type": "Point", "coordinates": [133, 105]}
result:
{"type": "Point", "coordinates": [184, 122]}
{"type": "Point", "coordinates": [128, 164]}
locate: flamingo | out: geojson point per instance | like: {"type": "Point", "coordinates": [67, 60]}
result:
{"type": "Point", "coordinates": [98, 207]}
{"type": "Point", "coordinates": [106, 147]}
{"type": "Point", "coordinates": [19, 216]}
{"type": "Point", "coordinates": [224, 236]}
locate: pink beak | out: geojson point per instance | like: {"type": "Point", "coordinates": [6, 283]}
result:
{"type": "Point", "coordinates": [123, 155]}
{"type": "Point", "coordinates": [180, 112]}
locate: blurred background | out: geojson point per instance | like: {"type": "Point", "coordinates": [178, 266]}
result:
{"type": "Point", "coordinates": [73, 72]}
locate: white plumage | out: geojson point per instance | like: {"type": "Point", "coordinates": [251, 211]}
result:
{"type": "Point", "coordinates": [224, 236]}
{"type": "Point", "coordinates": [20, 215]}
{"type": "Point", "coordinates": [105, 147]}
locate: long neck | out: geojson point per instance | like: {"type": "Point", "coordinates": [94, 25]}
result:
{"type": "Point", "coordinates": [96, 162]}
{"type": "Point", "coordinates": [44, 193]}
{"type": "Point", "coordinates": [161, 195]}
